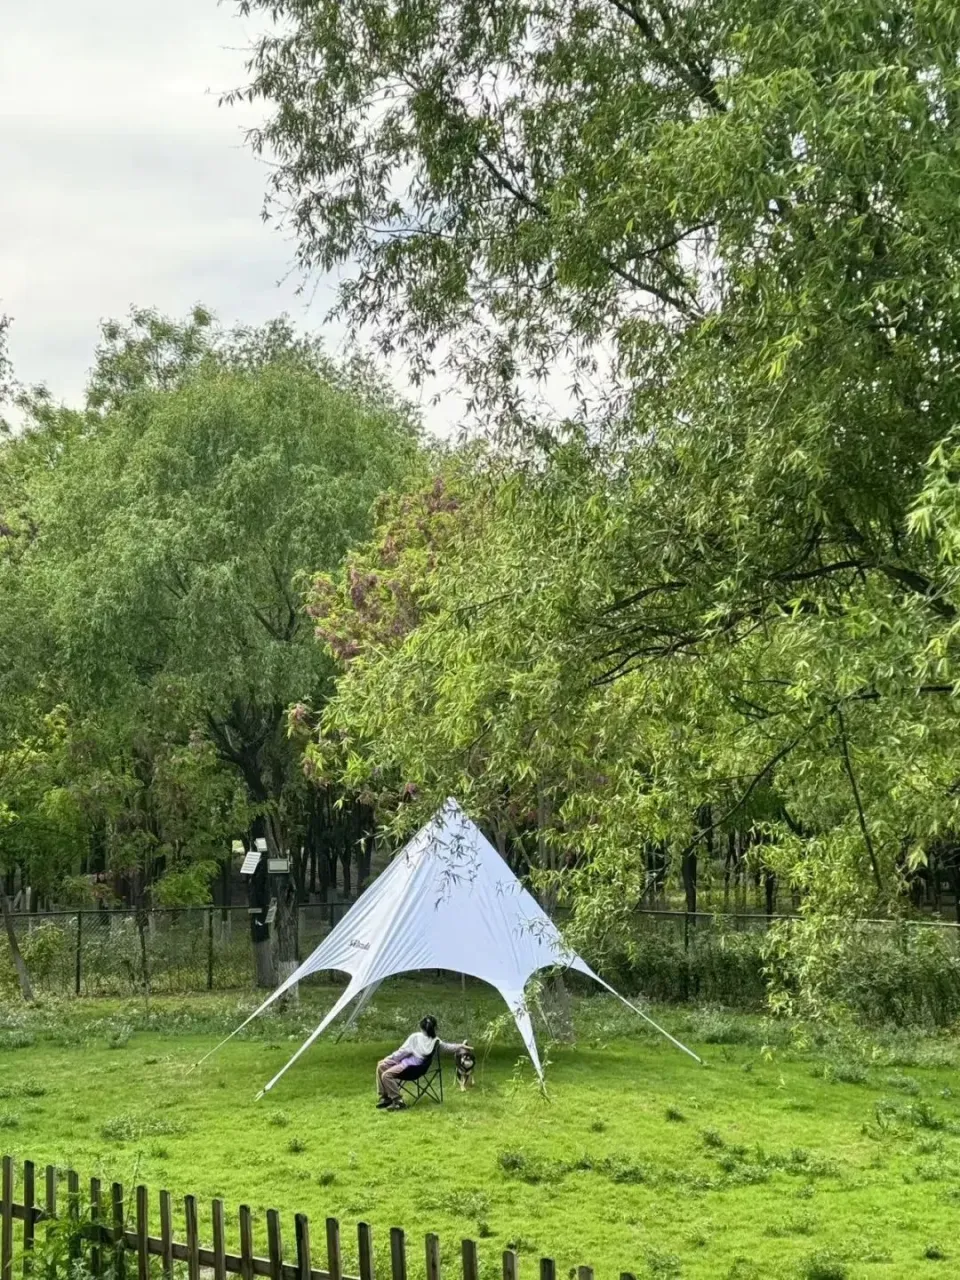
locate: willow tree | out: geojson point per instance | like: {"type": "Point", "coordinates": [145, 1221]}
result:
{"type": "Point", "coordinates": [740, 215]}
{"type": "Point", "coordinates": [208, 476]}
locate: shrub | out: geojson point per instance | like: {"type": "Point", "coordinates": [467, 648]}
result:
{"type": "Point", "coordinates": [15, 1040]}
{"type": "Point", "coordinates": [517, 1165]}
{"type": "Point", "coordinates": [903, 1084]}
{"type": "Point", "coordinates": [845, 1073]}
{"type": "Point", "coordinates": [823, 1265]}
{"type": "Point", "coordinates": [130, 1128]}
{"type": "Point", "coordinates": [662, 1264]}
{"type": "Point", "coordinates": [619, 1168]}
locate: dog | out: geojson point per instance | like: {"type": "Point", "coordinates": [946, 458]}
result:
{"type": "Point", "coordinates": [465, 1062]}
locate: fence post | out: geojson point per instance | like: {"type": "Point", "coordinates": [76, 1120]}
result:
{"type": "Point", "coordinates": [433, 1257]}
{"type": "Point", "coordinates": [29, 1212]}
{"type": "Point", "coordinates": [6, 1221]}
{"type": "Point", "coordinates": [274, 1245]}
{"type": "Point", "coordinates": [302, 1233]}
{"type": "Point", "coordinates": [210, 949]}
{"type": "Point", "coordinates": [119, 1216]}
{"type": "Point", "coordinates": [398, 1254]}
{"type": "Point", "coordinates": [334, 1260]}
{"type": "Point", "coordinates": [365, 1251]}
{"type": "Point", "coordinates": [96, 1224]}
{"type": "Point", "coordinates": [468, 1255]}
{"type": "Point", "coordinates": [77, 970]}
{"type": "Point", "coordinates": [73, 1211]}
{"type": "Point", "coordinates": [166, 1234]}
{"type": "Point", "coordinates": [143, 1231]}
{"type": "Point", "coordinates": [219, 1242]}
{"type": "Point", "coordinates": [246, 1243]}
{"type": "Point", "coordinates": [193, 1239]}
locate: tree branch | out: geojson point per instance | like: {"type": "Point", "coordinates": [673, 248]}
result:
{"type": "Point", "coordinates": [856, 796]}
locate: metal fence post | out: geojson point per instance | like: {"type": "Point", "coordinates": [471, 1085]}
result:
{"type": "Point", "coordinates": [77, 967]}
{"type": "Point", "coordinates": [210, 949]}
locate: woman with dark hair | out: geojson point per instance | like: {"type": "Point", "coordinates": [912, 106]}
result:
{"type": "Point", "coordinates": [414, 1052]}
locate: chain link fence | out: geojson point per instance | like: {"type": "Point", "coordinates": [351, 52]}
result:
{"type": "Point", "coordinates": [172, 951]}
{"type": "Point", "coordinates": [671, 955]}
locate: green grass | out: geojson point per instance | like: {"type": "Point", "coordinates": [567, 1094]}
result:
{"type": "Point", "coordinates": [788, 1155]}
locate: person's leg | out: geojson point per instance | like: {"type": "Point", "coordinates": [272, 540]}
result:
{"type": "Point", "coordinates": [390, 1082]}
{"type": "Point", "coordinates": [382, 1066]}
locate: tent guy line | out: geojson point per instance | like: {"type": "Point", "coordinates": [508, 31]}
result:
{"type": "Point", "coordinates": [421, 914]}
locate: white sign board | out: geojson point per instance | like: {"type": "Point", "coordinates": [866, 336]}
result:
{"type": "Point", "coordinates": [237, 846]}
{"type": "Point", "coordinates": [250, 862]}
{"type": "Point", "coordinates": [278, 866]}
{"type": "Point", "coordinates": [261, 844]}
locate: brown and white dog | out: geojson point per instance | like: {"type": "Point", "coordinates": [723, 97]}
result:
{"type": "Point", "coordinates": [465, 1063]}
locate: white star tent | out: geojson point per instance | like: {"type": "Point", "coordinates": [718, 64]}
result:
{"type": "Point", "coordinates": [447, 901]}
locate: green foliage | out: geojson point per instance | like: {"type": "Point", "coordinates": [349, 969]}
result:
{"type": "Point", "coordinates": [151, 588]}
{"type": "Point", "coordinates": [131, 1128]}
{"type": "Point", "coordinates": [824, 1265]}
{"type": "Point", "coordinates": [727, 599]}
{"type": "Point", "coordinates": [187, 887]}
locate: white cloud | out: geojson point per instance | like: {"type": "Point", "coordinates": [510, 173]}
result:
{"type": "Point", "coordinates": [122, 181]}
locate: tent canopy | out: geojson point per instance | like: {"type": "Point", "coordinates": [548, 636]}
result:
{"type": "Point", "coordinates": [447, 901]}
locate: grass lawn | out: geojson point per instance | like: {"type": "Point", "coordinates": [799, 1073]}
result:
{"type": "Point", "coordinates": [789, 1154]}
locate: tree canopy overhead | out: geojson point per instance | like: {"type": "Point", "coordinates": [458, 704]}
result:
{"type": "Point", "coordinates": [729, 594]}
{"type": "Point", "coordinates": [527, 176]}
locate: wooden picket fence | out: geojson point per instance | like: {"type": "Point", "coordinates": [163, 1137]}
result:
{"type": "Point", "coordinates": [107, 1235]}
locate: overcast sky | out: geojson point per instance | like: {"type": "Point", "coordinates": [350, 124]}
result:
{"type": "Point", "coordinates": [122, 182]}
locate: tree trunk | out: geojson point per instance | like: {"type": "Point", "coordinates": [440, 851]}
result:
{"type": "Point", "coordinates": [547, 895]}
{"type": "Point", "coordinates": [142, 919]}
{"type": "Point", "coordinates": [258, 897]}
{"type": "Point", "coordinates": [283, 888]}
{"type": "Point", "coordinates": [23, 977]}
{"type": "Point", "coordinates": [265, 968]}
{"type": "Point", "coordinates": [689, 872]}
{"type": "Point", "coordinates": [770, 881]}
{"type": "Point", "coordinates": [557, 1009]}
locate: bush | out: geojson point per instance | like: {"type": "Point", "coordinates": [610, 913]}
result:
{"type": "Point", "coordinates": [884, 974]}
{"type": "Point", "coordinates": [128, 1128]}
{"type": "Point", "coordinates": [824, 1265]}
{"type": "Point", "coordinates": [716, 966]}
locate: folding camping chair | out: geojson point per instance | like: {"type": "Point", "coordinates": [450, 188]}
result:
{"type": "Point", "coordinates": [423, 1081]}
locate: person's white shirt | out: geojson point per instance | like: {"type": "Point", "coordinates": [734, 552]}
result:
{"type": "Point", "coordinates": [420, 1045]}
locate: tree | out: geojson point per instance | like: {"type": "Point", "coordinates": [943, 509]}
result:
{"type": "Point", "coordinates": [209, 475]}
{"type": "Point", "coordinates": [743, 559]}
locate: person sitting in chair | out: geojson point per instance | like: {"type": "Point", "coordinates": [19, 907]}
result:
{"type": "Point", "coordinates": [415, 1052]}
